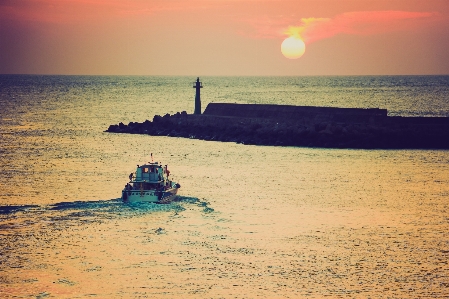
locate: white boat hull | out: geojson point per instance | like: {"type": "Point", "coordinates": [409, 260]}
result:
{"type": "Point", "coordinates": [152, 196]}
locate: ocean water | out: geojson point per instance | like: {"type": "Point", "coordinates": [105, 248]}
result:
{"type": "Point", "coordinates": [250, 222]}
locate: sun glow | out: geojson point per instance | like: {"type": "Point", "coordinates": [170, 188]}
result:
{"type": "Point", "coordinates": [293, 47]}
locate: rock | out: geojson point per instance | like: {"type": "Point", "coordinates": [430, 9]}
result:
{"type": "Point", "coordinates": [394, 133]}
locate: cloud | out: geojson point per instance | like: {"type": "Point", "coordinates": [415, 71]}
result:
{"type": "Point", "coordinates": [358, 23]}
{"type": "Point", "coordinates": [352, 23]}
{"type": "Point", "coordinates": [307, 25]}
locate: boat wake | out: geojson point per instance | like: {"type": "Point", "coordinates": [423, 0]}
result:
{"type": "Point", "coordinates": [81, 212]}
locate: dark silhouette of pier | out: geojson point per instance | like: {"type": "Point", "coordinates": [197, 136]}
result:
{"type": "Point", "coordinates": [286, 125]}
{"type": "Point", "coordinates": [308, 126]}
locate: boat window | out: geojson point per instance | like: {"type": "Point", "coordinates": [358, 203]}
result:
{"type": "Point", "coordinates": [145, 170]}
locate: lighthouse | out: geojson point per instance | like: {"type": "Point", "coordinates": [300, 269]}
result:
{"type": "Point", "coordinates": [197, 85]}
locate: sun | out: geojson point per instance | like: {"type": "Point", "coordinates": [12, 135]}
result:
{"type": "Point", "coordinates": [293, 47]}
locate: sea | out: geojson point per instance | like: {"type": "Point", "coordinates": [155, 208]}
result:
{"type": "Point", "coordinates": [249, 222]}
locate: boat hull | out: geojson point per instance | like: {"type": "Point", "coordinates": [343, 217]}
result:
{"type": "Point", "coordinates": [152, 196]}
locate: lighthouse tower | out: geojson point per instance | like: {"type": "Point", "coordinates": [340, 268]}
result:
{"type": "Point", "coordinates": [197, 85]}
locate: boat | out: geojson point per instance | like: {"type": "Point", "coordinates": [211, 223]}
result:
{"type": "Point", "coordinates": [150, 183]}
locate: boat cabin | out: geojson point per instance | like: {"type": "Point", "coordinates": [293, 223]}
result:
{"type": "Point", "coordinates": [150, 173]}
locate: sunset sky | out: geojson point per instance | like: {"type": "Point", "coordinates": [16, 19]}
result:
{"type": "Point", "coordinates": [223, 37]}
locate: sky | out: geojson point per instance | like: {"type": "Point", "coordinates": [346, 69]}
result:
{"type": "Point", "coordinates": [223, 37]}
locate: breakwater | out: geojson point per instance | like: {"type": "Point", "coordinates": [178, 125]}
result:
{"type": "Point", "coordinates": [285, 125]}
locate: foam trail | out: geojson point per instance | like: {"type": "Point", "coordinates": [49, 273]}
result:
{"type": "Point", "coordinates": [71, 213]}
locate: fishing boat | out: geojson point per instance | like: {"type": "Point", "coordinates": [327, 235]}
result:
{"type": "Point", "coordinates": [150, 183]}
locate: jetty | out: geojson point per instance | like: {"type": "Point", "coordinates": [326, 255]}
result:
{"type": "Point", "coordinates": [304, 126]}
